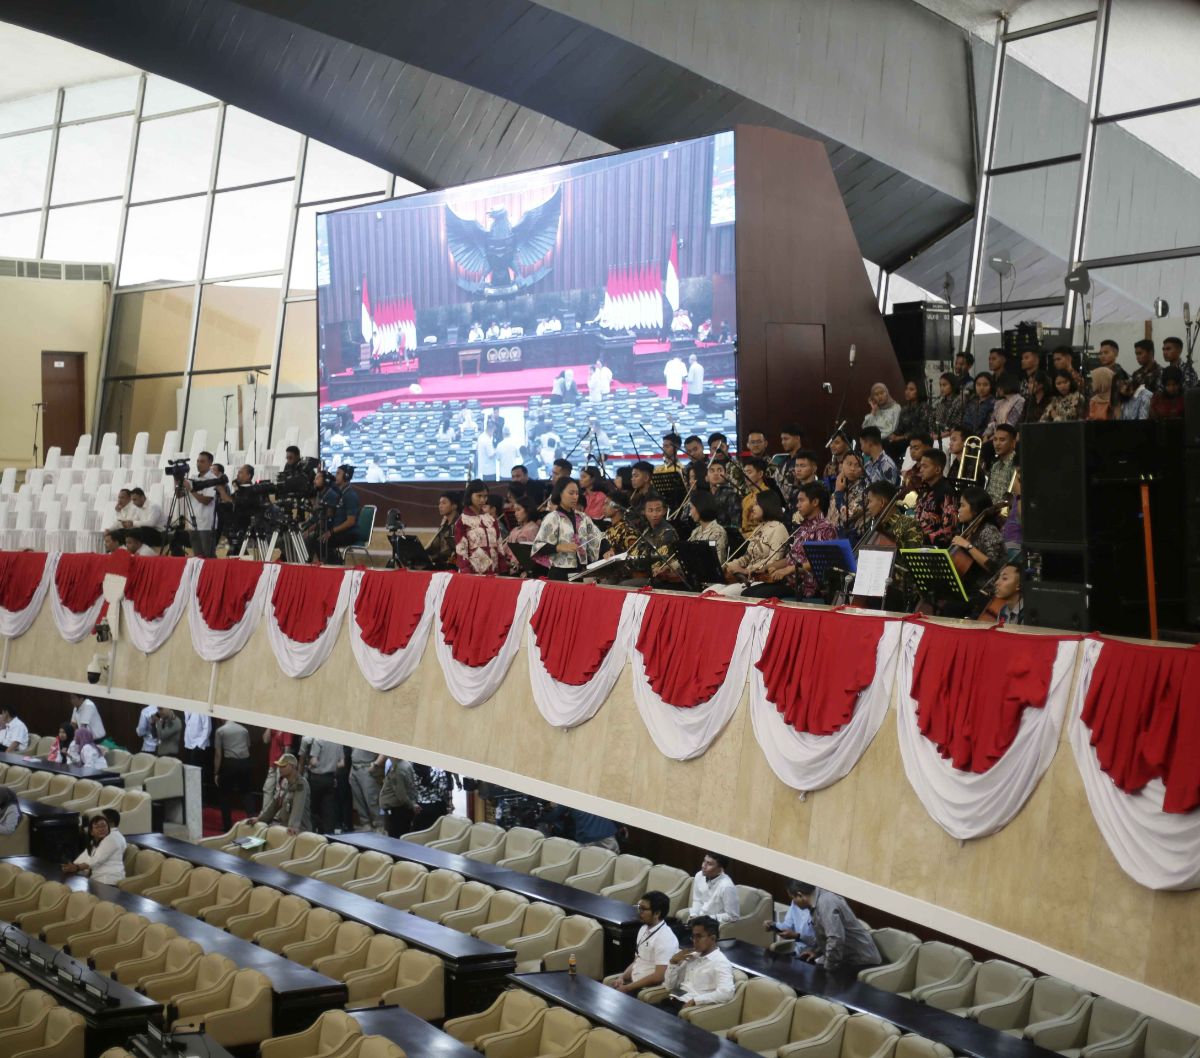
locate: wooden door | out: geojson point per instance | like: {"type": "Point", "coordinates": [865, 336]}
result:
{"type": "Point", "coordinates": [62, 395]}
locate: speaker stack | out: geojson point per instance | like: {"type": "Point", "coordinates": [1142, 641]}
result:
{"type": "Point", "coordinates": [920, 333]}
{"type": "Point", "coordinates": [1191, 469]}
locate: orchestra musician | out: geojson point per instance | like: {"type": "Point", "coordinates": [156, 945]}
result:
{"type": "Point", "coordinates": [978, 538]}
{"type": "Point", "coordinates": [764, 544]}
{"type": "Point", "coordinates": [757, 482]}
{"type": "Point", "coordinates": [477, 534]}
{"type": "Point", "coordinates": [848, 508]}
{"type": "Point", "coordinates": [839, 445]}
{"type": "Point", "coordinates": [1005, 606]}
{"type": "Point", "coordinates": [937, 507]}
{"type": "Point", "coordinates": [789, 572]}
{"type": "Point", "coordinates": [567, 537]}
{"type": "Point", "coordinates": [726, 498]}
{"type": "Point", "coordinates": [897, 528]}
{"type": "Point", "coordinates": [704, 514]}
{"type": "Point", "coordinates": [656, 543]}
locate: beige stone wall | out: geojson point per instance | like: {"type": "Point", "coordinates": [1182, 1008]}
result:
{"type": "Point", "coordinates": [1045, 889]}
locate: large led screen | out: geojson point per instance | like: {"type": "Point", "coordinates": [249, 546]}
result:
{"type": "Point", "coordinates": [579, 311]}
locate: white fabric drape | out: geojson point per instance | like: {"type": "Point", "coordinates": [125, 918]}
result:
{"type": "Point", "coordinates": [74, 627]}
{"type": "Point", "coordinates": [148, 636]}
{"type": "Point", "coordinates": [809, 762]}
{"type": "Point", "coordinates": [568, 705]}
{"type": "Point", "coordinates": [682, 734]}
{"type": "Point", "coordinates": [385, 671]}
{"type": "Point", "coordinates": [303, 659]}
{"type": "Point", "coordinates": [14, 623]}
{"type": "Point", "coordinates": [474, 686]}
{"type": "Point", "coordinates": [220, 645]}
{"type": "Point", "coordinates": [1157, 849]}
{"type": "Point", "coordinates": [968, 804]}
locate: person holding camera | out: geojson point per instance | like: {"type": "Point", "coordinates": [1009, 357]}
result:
{"type": "Point", "coordinates": [202, 517]}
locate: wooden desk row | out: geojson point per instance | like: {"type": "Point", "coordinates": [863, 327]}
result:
{"type": "Point", "coordinates": [475, 971]}
{"type": "Point", "coordinates": [53, 831]}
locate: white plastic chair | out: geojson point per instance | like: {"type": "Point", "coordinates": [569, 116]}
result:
{"type": "Point", "coordinates": [8, 481]}
{"type": "Point", "coordinates": [53, 458]}
{"type": "Point", "coordinates": [141, 444]}
{"type": "Point", "coordinates": [79, 461]}
{"type": "Point", "coordinates": [170, 448]}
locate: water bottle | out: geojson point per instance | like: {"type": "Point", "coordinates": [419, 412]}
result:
{"type": "Point", "coordinates": [571, 965]}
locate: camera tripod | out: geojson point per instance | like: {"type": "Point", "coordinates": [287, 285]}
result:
{"type": "Point", "coordinates": [261, 539]}
{"type": "Point", "coordinates": [179, 517]}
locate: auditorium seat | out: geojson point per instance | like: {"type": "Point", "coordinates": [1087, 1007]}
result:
{"type": "Point", "coordinates": [470, 896]}
{"type": "Point", "coordinates": [500, 909]}
{"type": "Point", "coordinates": [810, 1019]}
{"type": "Point", "coordinates": [373, 1047]}
{"type": "Point", "coordinates": [1155, 1039]}
{"type": "Point", "coordinates": [366, 866]}
{"type": "Point", "coordinates": [58, 791]}
{"type": "Point", "coordinates": [628, 879]}
{"type": "Point", "coordinates": [147, 943]}
{"type": "Point", "coordinates": [1050, 1003]}
{"type": "Point", "coordinates": [141, 767]}
{"type": "Point", "coordinates": [17, 778]}
{"type": "Point", "coordinates": [753, 1000]}
{"type": "Point", "coordinates": [172, 957]}
{"type": "Point", "coordinates": [243, 828]}
{"type": "Point", "coordinates": [111, 797]}
{"type": "Point", "coordinates": [673, 883]}
{"type": "Point", "coordinates": [1104, 1023]}
{"type": "Point", "coordinates": [100, 915]}
{"type": "Point", "coordinates": [140, 865]}
{"type": "Point", "coordinates": [910, 1046]}
{"type": "Point", "coordinates": [315, 924]}
{"type": "Point", "coordinates": [37, 786]}
{"type": "Point", "coordinates": [235, 1011]}
{"type": "Point", "coordinates": [428, 888]}
{"type": "Point", "coordinates": [556, 859]}
{"type": "Point", "coordinates": [518, 843]}
{"type": "Point", "coordinates": [58, 1033]}
{"type": "Point", "coordinates": [122, 929]}
{"type": "Point", "coordinates": [601, 1043]}
{"type": "Point", "coordinates": [994, 981]}
{"type": "Point", "coordinates": [859, 1036]}
{"type": "Point", "coordinates": [345, 938]}
{"type": "Point", "coordinates": [228, 887]}
{"type": "Point", "coordinates": [272, 914]}
{"type": "Point", "coordinates": [117, 1052]}
{"type": "Point", "coordinates": [480, 837]}
{"type": "Point", "coordinates": [199, 881]}
{"type": "Point", "coordinates": [399, 876]}
{"type": "Point", "coordinates": [292, 847]}
{"type": "Point", "coordinates": [897, 948]}
{"type": "Point", "coordinates": [755, 907]}
{"type": "Point", "coordinates": [444, 829]}
{"type": "Point", "coordinates": [73, 911]}
{"type": "Point", "coordinates": [165, 781]}
{"type": "Point", "coordinates": [593, 869]}
{"type": "Point", "coordinates": [512, 1011]}
{"type": "Point", "coordinates": [329, 1034]}
{"type": "Point", "coordinates": [937, 964]}
{"type": "Point", "coordinates": [414, 981]}
{"type": "Point", "coordinates": [328, 856]}
{"type": "Point", "coordinates": [9, 873]}
{"type": "Point", "coordinates": [12, 987]}
{"type": "Point", "coordinates": [576, 935]}
{"type": "Point", "coordinates": [136, 813]}
{"type": "Point", "coordinates": [196, 976]}
{"type": "Point", "coordinates": [40, 897]}
{"type": "Point", "coordinates": [168, 872]}
{"type": "Point", "coordinates": [26, 1008]}
{"type": "Point", "coordinates": [538, 922]}
{"type": "Point", "coordinates": [117, 760]}
{"type": "Point", "coordinates": [248, 901]}
{"type": "Point", "coordinates": [552, 1031]}
{"type": "Point", "coordinates": [83, 797]}
{"type": "Point", "coordinates": [379, 949]}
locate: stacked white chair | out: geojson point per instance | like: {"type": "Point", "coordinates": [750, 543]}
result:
{"type": "Point", "coordinates": [8, 481]}
{"type": "Point", "coordinates": [141, 445]}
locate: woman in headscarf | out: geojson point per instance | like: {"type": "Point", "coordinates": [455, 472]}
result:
{"type": "Point", "coordinates": [1103, 404]}
{"type": "Point", "coordinates": [84, 751]}
{"type": "Point", "coordinates": [62, 744]}
{"type": "Point", "coordinates": [884, 413]}
{"type": "Point", "coordinates": [10, 812]}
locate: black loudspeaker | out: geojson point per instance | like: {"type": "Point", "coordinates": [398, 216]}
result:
{"type": "Point", "coordinates": [1191, 440]}
{"type": "Point", "coordinates": [1051, 604]}
{"type": "Point", "coordinates": [920, 331]}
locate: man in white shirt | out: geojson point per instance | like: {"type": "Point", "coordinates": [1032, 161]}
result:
{"type": "Point", "coordinates": [656, 944]}
{"type": "Point", "coordinates": [508, 451]}
{"type": "Point", "coordinates": [123, 518]}
{"type": "Point", "coordinates": [713, 892]}
{"type": "Point", "coordinates": [148, 517]}
{"type": "Point", "coordinates": [701, 974]}
{"type": "Point", "coordinates": [14, 735]}
{"type": "Point", "coordinates": [84, 711]}
{"type": "Point", "coordinates": [675, 372]}
{"type": "Point", "coordinates": [204, 508]}
{"type": "Point", "coordinates": [197, 736]}
{"type": "Point", "coordinates": [145, 728]}
{"type": "Point", "coordinates": [695, 380]}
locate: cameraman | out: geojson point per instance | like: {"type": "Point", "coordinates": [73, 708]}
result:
{"type": "Point", "coordinates": [248, 501]}
{"type": "Point", "coordinates": [343, 528]}
{"type": "Point", "coordinates": [224, 506]}
{"type": "Point", "coordinates": [202, 518]}
{"type": "Point", "coordinates": [292, 467]}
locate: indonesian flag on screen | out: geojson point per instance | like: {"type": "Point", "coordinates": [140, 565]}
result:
{"type": "Point", "coordinates": [368, 328]}
{"type": "Point", "coordinates": [671, 286]}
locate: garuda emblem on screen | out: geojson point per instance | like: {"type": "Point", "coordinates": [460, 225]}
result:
{"type": "Point", "coordinates": [494, 261]}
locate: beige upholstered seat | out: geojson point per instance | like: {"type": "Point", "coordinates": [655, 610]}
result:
{"type": "Point", "coordinates": [552, 1031]}
{"type": "Point", "coordinates": [937, 964]}
{"type": "Point", "coordinates": [364, 866]}
{"type": "Point", "coordinates": [520, 843]}
{"type": "Point", "coordinates": [199, 881]}
{"type": "Point", "coordinates": [249, 901]}
{"type": "Point", "coordinates": [400, 876]}
{"type": "Point", "coordinates": [9, 873]}
{"type": "Point", "coordinates": [243, 828]}
{"type": "Point", "coordinates": [807, 1019]}
{"type": "Point", "coordinates": [1104, 1022]}
{"type": "Point", "coordinates": [1155, 1039]}
{"type": "Point", "coordinates": [415, 982]}
{"type": "Point", "coordinates": [229, 886]}
{"type": "Point", "coordinates": [536, 925]}
{"type": "Point", "coordinates": [174, 956]}
{"type": "Point", "coordinates": [196, 976]}
{"type": "Point", "coordinates": [313, 925]}
{"type": "Point", "coordinates": [38, 784]}
{"type": "Point", "coordinates": [378, 949]}
{"type": "Point", "coordinates": [17, 778]}
{"type": "Point", "coordinates": [332, 1032]}
{"type": "Point", "coordinates": [673, 883]}
{"type": "Point", "coordinates": [117, 760]}
{"type": "Point", "coordinates": [136, 812]}
{"type": "Point", "coordinates": [345, 938]}
{"type": "Point", "coordinates": [468, 897]}
{"type": "Point", "coordinates": [141, 767]}
{"type": "Point", "coordinates": [600, 1043]}
{"type": "Point", "coordinates": [165, 780]}
{"type": "Point", "coordinates": [987, 982]}
{"type": "Point", "coordinates": [293, 847]}
{"type": "Point", "coordinates": [168, 872]}
{"type": "Point", "coordinates": [1049, 1003]}
{"type": "Point", "coordinates": [556, 859]}
{"type": "Point", "coordinates": [12, 987]}
{"type": "Point", "coordinates": [236, 1011]}
{"type": "Point", "coordinates": [329, 856]}
{"type": "Point", "coordinates": [511, 1011]}
{"type": "Point", "coordinates": [752, 1001]}
{"type": "Point", "coordinates": [593, 868]}
{"type": "Point", "coordinates": [538, 855]}
{"type": "Point", "coordinates": [72, 912]}
{"type": "Point", "coordinates": [502, 908]}
{"type": "Point", "coordinates": [918, 1047]}
{"type": "Point", "coordinates": [146, 943]}
{"type": "Point", "coordinates": [445, 828]}
{"type": "Point", "coordinates": [101, 915]}
{"type": "Point", "coordinates": [578, 936]}
{"type": "Point", "coordinates": [896, 947]}
{"type": "Point", "coordinates": [481, 838]}
{"type": "Point", "coordinates": [122, 930]}
{"type": "Point", "coordinates": [281, 912]}
{"type": "Point", "coordinates": [22, 896]}
{"type": "Point", "coordinates": [140, 865]}
{"type": "Point", "coordinates": [373, 1047]}
{"type": "Point", "coordinates": [26, 1008]}
{"type": "Point", "coordinates": [83, 797]}
{"type": "Point", "coordinates": [110, 797]}
{"type": "Point", "coordinates": [859, 1036]}
{"type": "Point", "coordinates": [49, 896]}
{"type": "Point", "coordinates": [429, 888]}
{"type": "Point", "coordinates": [58, 791]}
{"type": "Point", "coordinates": [58, 1033]}
{"type": "Point", "coordinates": [628, 878]}
{"type": "Point", "coordinates": [755, 907]}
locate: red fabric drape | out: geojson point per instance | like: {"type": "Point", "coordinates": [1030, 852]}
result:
{"type": "Point", "coordinates": [575, 626]}
{"type": "Point", "coordinates": [79, 579]}
{"type": "Point", "coordinates": [816, 663]}
{"type": "Point", "coordinates": [477, 613]}
{"type": "Point", "coordinates": [152, 583]}
{"type": "Point", "coordinates": [20, 574]}
{"type": "Point", "coordinates": [224, 590]}
{"type": "Point", "coordinates": [686, 643]}
{"type": "Point", "coordinates": [1144, 716]}
{"type": "Point", "coordinates": [304, 600]}
{"type": "Point", "coordinates": [388, 608]}
{"type": "Point", "coordinates": [972, 686]}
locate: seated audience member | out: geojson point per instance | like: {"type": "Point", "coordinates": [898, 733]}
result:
{"type": "Point", "coordinates": [790, 569]}
{"type": "Point", "coordinates": [113, 540]}
{"type": "Point", "coordinates": [84, 751]}
{"type": "Point", "coordinates": [986, 546]}
{"type": "Point", "coordinates": [1066, 405]}
{"type": "Point", "coordinates": [713, 892]}
{"type": "Point", "coordinates": [655, 947]}
{"type": "Point", "coordinates": [137, 542]}
{"type": "Point", "coordinates": [947, 407]}
{"type": "Point", "coordinates": [526, 531]}
{"type": "Point", "coordinates": [1004, 466]}
{"type": "Point", "coordinates": [567, 538]}
{"type": "Point", "coordinates": [620, 536]}
{"type": "Point", "coordinates": [877, 464]}
{"type": "Point", "coordinates": [14, 735]}
{"type": "Point", "coordinates": [979, 405]}
{"type": "Point", "coordinates": [884, 413]}
{"type": "Point", "coordinates": [122, 511]}
{"type": "Point", "coordinates": [762, 546]}
{"type": "Point", "coordinates": [757, 483]}
{"type": "Point", "coordinates": [62, 743]}
{"type": "Point", "coordinates": [441, 547]}
{"type": "Point", "coordinates": [847, 508]}
{"type": "Point", "coordinates": [701, 974]}
{"type": "Point", "coordinates": [655, 546]}
{"type": "Point", "coordinates": [147, 516]}
{"type": "Point", "coordinates": [797, 921]}
{"type": "Point", "coordinates": [595, 490]}
{"type": "Point", "coordinates": [727, 499]}
{"type": "Point", "coordinates": [1167, 403]}
{"type": "Point", "coordinates": [1009, 406]}
{"type": "Point", "coordinates": [476, 534]}
{"type": "Point", "coordinates": [1135, 399]}
{"type": "Point", "coordinates": [704, 515]}
{"type": "Point", "coordinates": [10, 813]}
{"type": "Point", "coordinates": [843, 944]}
{"type": "Point", "coordinates": [103, 857]}
{"type": "Point", "coordinates": [288, 805]}
{"type": "Point", "coordinates": [914, 416]}
{"type": "Point", "coordinates": [1104, 403]}
{"type": "Point", "coordinates": [937, 507]}
{"type": "Point", "coordinates": [1041, 392]}
{"type": "Point", "coordinates": [84, 711]}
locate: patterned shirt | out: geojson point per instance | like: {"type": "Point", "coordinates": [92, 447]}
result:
{"type": "Point", "coordinates": [729, 506]}
{"type": "Point", "coordinates": [882, 468]}
{"type": "Point", "coordinates": [847, 510]}
{"type": "Point", "coordinates": [1000, 477]}
{"type": "Point", "coordinates": [1147, 376]}
{"type": "Point", "coordinates": [477, 544]}
{"type": "Point", "coordinates": [558, 527]}
{"type": "Point", "coordinates": [937, 514]}
{"type": "Point", "coordinates": [815, 528]}
{"type": "Point", "coordinates": [1138, 405]}
{"type": "Point", "coordinates": [1189, 375]}
{"type": "Point", "coordinates": [715, 532]}
{"type": "Point", "coordinates": [1068, 408]}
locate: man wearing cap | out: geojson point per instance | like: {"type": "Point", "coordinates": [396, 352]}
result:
{"type": "Point", "coordinates": [289, 805]}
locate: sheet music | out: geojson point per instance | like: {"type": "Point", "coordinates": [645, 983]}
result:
{"type": "Point", "coordinates": [599, 566]}
{"type": "Point", "coordinates": [874, 568]}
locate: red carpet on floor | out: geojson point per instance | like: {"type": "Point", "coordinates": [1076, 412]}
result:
{"type": "Point", "coordinates": [210, 820]}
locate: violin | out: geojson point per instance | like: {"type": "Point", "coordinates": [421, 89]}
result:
{"type": "Point", "coordinates": [961, 557]}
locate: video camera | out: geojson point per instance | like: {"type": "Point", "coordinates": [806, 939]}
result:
{"type": "Point", "coordinates": [178, 469]}
{"type": "Point", "coordinates": [298, 480]}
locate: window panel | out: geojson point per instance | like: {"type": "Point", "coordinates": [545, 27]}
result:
{"type": "Point", "coordinates": [174, 155]}
{"type": "Point", "coordinates": [150, 332]}
{"type": "Point", "coordinates": [329, 173]}
{"type": "Point", "coordinates": [19, 234]}
{"type": "Point", "coordinates": [29, 113]}
{"type": "Point", "coordinates": [163, 95]}
{"type": "Point", "coordinates": [249, 230]}
{"type": "Point", "coordinates": [149, 404]}
{"type": "Point", "coordinates": [237, 325]}
{"type": "Point", "coordinates": [298, 355]}
{"type": "Point", "coordinates": [1149, 59]}
{"type": "Point", "coordinates": [300, 412]}
{"type": "Point", "coordinates": [23, 163]}
{"type": "Point", "coordinates": [303, 279]}
{"type": "Point", "coordinates": [248, 409]}
{"type": "Point", "coordinates": [162, 242]}
{"type": "Point", "coordinates": [83, 233]}
{"type": "Point", "coordinates": [254, 149]}
{"type": "Point", "coordinates": [99, 98]}
{"type": "Point", "coordinates": [91, 160]}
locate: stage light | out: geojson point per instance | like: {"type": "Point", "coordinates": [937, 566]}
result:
{"type": "Point", "coordinates": [1078, 280]}
{"type": "Point", "coordinates": [1161, 308]}
{"type": "Point", "coordinates": [1001, 264]}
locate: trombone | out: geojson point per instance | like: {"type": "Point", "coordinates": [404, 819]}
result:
{"type": "Point", "coordinates": [970, 461]}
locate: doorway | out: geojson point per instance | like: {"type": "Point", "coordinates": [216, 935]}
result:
{"type": "Point", "coordinates": [62, 398]}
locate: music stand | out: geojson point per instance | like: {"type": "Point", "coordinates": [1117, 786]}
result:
{"type": "Point", "coordinates": [933, 571]}
{"type": "Point", "coordinates": [829, 557]}
{"type": "Point", "coordinates": [407, 552]}
{"type": "Point", "coordinates": [669, 484]}
{"type": "Point", "coordinates": [699, 561]}
{"type": "Point", "coordinates": [524, 555]}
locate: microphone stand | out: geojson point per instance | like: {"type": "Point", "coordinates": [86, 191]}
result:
{"type": "Point", "coordinates": [634, 443]}
{"type": "Point", "coordinates": [37, 420]}
{"type": "Point", "coordinates": [653, 443]}
{"type": "Point", "coordinates": [578, 443]}
{"type": "Point", "coordinates": [838, 422]}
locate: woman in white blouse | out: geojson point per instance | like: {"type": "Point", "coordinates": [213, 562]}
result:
{"type": "Point", "coordinates": [103, 860]}
{"type": "Point", "coordinates": [568, 537]}
{"type": "Point", "coordinates": [84, 751]}
{"type": "Point", "coordinates": [884, 413]}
